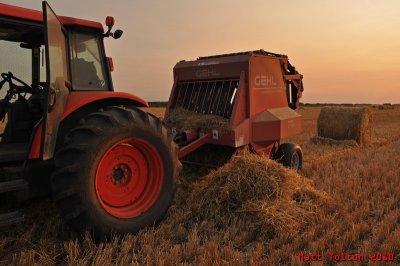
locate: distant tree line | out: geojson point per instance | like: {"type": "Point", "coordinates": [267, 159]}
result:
{"type": "Point", "coordinates": [158, 104]}
{"type": "Point", "coordinates": [382, 106]}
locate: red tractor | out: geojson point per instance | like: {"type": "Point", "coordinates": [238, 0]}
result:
{"type": "Point", "coordinates": [109, 165]}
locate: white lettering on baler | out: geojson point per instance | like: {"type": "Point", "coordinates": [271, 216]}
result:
{"type": "Point", "coordinates": [264, 81]}
{"type": "Point", "coordinates": [205, 73]}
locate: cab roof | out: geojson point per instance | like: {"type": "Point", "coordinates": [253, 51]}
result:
{"type": "Point", "coordinates": [37, 16]}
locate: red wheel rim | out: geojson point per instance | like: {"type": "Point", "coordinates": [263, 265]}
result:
{"type": "Point", "coordinates": [129, 178]}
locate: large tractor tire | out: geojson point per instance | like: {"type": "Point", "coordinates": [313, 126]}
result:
{"type": "Point", "coordinates": [115, 172]}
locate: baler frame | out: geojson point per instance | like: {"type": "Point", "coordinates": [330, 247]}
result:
{"type": "Point", "coordinates": [227, 86]}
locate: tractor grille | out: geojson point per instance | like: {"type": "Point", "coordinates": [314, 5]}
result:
{"type": "Point", "coordinates": [214, 97]}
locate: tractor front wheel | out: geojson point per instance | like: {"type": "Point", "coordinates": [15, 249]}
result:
{"type": "Point", "coordinates": [114, 175]}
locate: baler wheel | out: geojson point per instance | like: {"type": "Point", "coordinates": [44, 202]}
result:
{"type": "Point", "coordinates": [290, 155]}
{"type": "Point", "coordinates": [114, 175]}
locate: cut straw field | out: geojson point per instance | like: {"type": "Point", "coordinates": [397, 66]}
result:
{"type": "Point", "coordinates": [251, 211]}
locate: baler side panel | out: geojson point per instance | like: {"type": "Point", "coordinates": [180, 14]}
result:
{"type": "Point", "coordinates": [240, 108]}
{"type": "Point", "coordinates": [238, 137]}
{"type": "Point", "coordinates": [276, 124]}
{"type": "Point", "coordinates": [266, 84]}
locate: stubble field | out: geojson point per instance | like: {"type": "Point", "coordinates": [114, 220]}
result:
{"type": "Point", "coordinates": [363, 216]}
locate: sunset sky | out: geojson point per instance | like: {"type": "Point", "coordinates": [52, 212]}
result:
{"type": "Point", "coordinates": [348, 51]}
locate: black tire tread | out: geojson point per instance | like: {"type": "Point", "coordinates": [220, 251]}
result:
{"type": "Point", "coordinates": [283, 154]}
{"type": "Point", "coordinates": [78, 142]}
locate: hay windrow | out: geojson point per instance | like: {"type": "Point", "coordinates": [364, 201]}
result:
{"type": "Point", "coordinates": [346, 123]}
{"type": "Point", "coordinates": [317, 140]}
{"type": "Point", "coordinates": [267, 197]}
{"type": "Point", "coordinates": [184, 119]}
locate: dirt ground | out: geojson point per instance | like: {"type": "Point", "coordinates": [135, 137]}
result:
{"type": "Point", "coordinates": [364, 219]}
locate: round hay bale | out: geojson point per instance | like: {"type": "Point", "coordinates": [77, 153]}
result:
{"type": "Point", "coordinates": [346, 123]}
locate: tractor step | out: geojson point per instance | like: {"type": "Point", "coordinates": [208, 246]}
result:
{"type": "Point", "coordinates": [10, 218]}
{"type": "Point", "coordinates": [14, 185]}
{"type": "Point", "coordinates": [13, 152]}
{"type": "Point", "coordinates": [13, 217]}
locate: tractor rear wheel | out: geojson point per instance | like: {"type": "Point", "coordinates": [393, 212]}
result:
{"type": "Point", "coordinates": [114, 174]}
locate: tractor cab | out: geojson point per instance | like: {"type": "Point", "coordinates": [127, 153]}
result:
{"type": "Point", "coordinates": [23, 79]}
{"type": "Point", "coordinates": [42, 59]}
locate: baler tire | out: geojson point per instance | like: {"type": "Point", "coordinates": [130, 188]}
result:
{"type": "Point", "coordinates": [115, 172]}
{"type": "Point", "coordinates": [287, 153]}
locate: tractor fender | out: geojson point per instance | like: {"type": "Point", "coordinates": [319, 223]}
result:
{"type": "Point", "coordinates": [78, 99]}
{"type": "Point", "coordinates": [81, 103]}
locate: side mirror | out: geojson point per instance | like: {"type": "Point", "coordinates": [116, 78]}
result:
{"type": "Point", "coordinates": [117, 34]}
{"type": "Point", "coordinates": [110, 21]}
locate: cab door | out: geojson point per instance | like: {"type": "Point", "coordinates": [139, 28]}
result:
{"type": "Point", "coordinates": [57, 78]}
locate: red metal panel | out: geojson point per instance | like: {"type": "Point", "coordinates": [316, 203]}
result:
{"type": "Point", "coordinates": [238, 137]}
{"type": "Point", "coordinates": [34, 15]}
{"type": "Point", "coordinates": [225, 138]}
{"type": "Point", "coordinates": [266, 131]}
{"type": "Point", "coordinates": [194, 145]}
{"type": "Point", "coordinates": [240, 108]}
{"type": "Point", "coordinates": [266, 85]}
{"type": "Point", "coordinates": [242, 134]}
{"type": "Point", "coordinates": [264, 148]}
{"type": "Point", "coordinates": [79, 99]}
{"type": "Point", "coordinates": [191, 135]}
{"type": "Point", "coordinates": [276, 124]}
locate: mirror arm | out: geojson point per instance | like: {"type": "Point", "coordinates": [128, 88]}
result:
{"type": "Point", "coordinates": [108, 33]}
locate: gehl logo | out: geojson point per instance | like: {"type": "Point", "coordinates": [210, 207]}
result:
{"type": "Point", "coordinates": [264, 81]}
{"type": "Point", "coordinates": [206, 73]}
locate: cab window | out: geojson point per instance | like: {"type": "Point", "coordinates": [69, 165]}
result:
{"type": "Point", "coordinates": [18, 61]}
{"type": "Point", "coordinates": [87, 69]}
